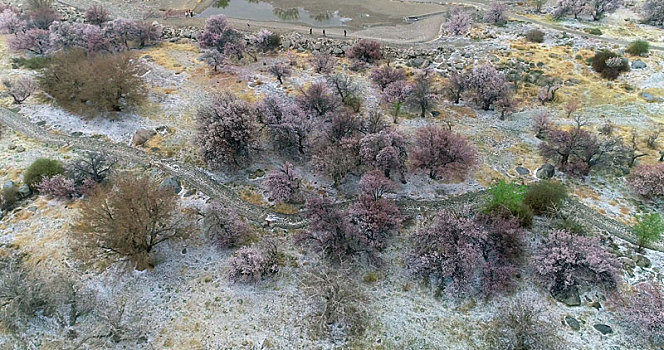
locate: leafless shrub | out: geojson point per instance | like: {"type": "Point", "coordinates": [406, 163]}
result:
{"type": "Point", "coordinates": [20, 89]}
{"type": "Point", "coordinates": [339, 306]}
{"type": "Point", "coordinates": [521, 324]}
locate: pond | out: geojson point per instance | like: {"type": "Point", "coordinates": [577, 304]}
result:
{"type": "Point", "coordinates": [354, 14]}
{"type": "Point", "coordinates": [267, 12]}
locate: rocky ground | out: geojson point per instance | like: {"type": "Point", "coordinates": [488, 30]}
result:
{"type": "Point", "coordinates": [187, 302]}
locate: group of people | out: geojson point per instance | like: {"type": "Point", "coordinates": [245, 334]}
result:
{"type": "Point", "coordinates": [188, 13]}
{"type": "Point", "coordinates": [311, 32]}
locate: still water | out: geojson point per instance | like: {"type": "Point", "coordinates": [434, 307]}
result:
{"type": "Point", "coordinates": [264, 11]}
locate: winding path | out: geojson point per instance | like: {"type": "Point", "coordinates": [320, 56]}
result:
{"type": "Point", "coordinates": [206, 183]}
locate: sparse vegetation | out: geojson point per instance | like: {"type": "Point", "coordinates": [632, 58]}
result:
{"type": "Point", "coordinates": [609, 64]}
{"type": "Point", "coordinates": [92, 84]}
{"type": "Point", "coordinates": [545, 196]}
{"type": "Point", "coordinates": [638, 48]}
{"type": "Point", "coordinates": [40, 169]}
{"type": "Point", "coordinates": [126, 219]}
{"type": "Point", "coordinates": [648, 229]}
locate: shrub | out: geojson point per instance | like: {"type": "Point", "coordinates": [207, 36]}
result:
{"type": "Point", "coordinates": [42, 18]}
{"type": "Point", "coordinates": [337, 155]}
{"type": "Point", "coordinates": [376, 217]}
{"type": "Point", "coordinates": [91, 166]}
{"type": "Point", "coordinates": [282, 184]}
{"type": "Point", "coordinates": [288, 125]}
{"type": "Point", "coordinates": [97, 15]}
{"type": "Point", "coordinates": [566, 261]}
{"type": "Point", "coordinates": [126, 220]}
{"type": "Point", "coordinates": [37, 62]}
{"type": "Point", "coordinates": [347, 90]}
{"type": "Point", "coordinates": [42, 168]}
{"type": "Point", "coordinates": [449, 252]}
{"type": "Point", "coordinates": [522, 324]}
{"type": "Point", "coordinates": [422, 95]}
{"type": "Point", "coordinates": [458, 22]}
{"type": "Point", "coordinates": [541, 124]}
{"type": "Point", "coordinates": [535, 36]}
{"type": "Point", "coordinates": [226, 131]}
{"type": "Point", "coordinates": [220, 35]}
{"type": "Point", "coordinates": [643, 311]}
{"type": "Point", "coordinates": [11, 22]}
{"type": "Point", "coordinates": [36, 41]}
{"type": "Point", "coordinates": [652, 12]}
{"type": "Point", "coordinates": [254, 263]}
{"type": "Point", "coordinates": [20, 89]}
{"type": "Point", "coordinates": [225, 227]}
{"type": "Point", "coordinates": [442, 153]}
{"type": "Point", "coordinates": [280, 71]}
{"type": "Point", "coordinates": [385, 75]}
{"type": "Point", "coordinates": [322, 62]}
{"type": "Point", "coordinates": [10, 196]}
{"type": "Point", "coordinates": [338, 303]}
{"type": "Point", "coordinates": [396, 94]}
{"type": "Point", "coordinates": [488, 86]}
{"type": "Point", "coordinates": [544, 196]}
{"type": "Point", "coordinates": [609, 64]}
{"type": "Point", "coordinates": [638, 48]}
{"type": "Point", "coordinates": [385, 151]}
{"type": "Point", "coordinates": [497, 14]}
{"type": "Point", "coordinates": [57, 186]}
{"type": "Point", "coordinates": [82, 84]}
{"type": "Point", "coordinates": [213, 58]}
{"type": "Point", "coordinates": [268, 41]}
{"type": "Point", "coordinates": [318, 100]}
{"type": "Point", "coordinates": [648, 229]}
{"type": "Point", "coordinates": [365, 51]}
{"type": "Point", "coordinates": [331, 231]}
{"type": "Point", "coordinates": [506, 201]}
{"type": "Point", "coordinates": [502, 253]}
{"type": "Point", "coordinates": [39, 4]}
{"type": "Point", "coordinates": [648, 180]}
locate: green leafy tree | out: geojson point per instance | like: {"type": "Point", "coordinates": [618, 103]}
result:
{"type": "Point", "coordinates": [648, 229]}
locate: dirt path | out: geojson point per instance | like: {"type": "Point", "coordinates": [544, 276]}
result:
{"type": "Point", "coordinates": [206, 183]}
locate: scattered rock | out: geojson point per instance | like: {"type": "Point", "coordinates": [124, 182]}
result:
{"type": "Point", "coordinates": [20, 149]}
{"type": "Point", "coordinates": [546, 171]}
{"type": "Point", "coordinates": [142, 136]}
{"type": "Point", "coordinates": [602, 328]}
{"type": "Point", "coordinates": [638, 64]}
{"type": "Point", "coordinates": [8, 186]}
{"type": "Point", "coordinates": [11, 147]}
{"type": "Point", "coordinates": [569, 297]}
{"type": "Point", "coordinates": [647, 96]}
{"type": "Point", "coordinates": [596, 304]}
{"type": "Point", "coordinates": [572, 322]}
{"type": "Point", "coordinates": [171, 182]}
{"type": "Point", "coordinates": [24, 190]}
{"type": "Point", "coordinates": [642, 261]}
{"type": "Point", "coordinates": [522, 171]}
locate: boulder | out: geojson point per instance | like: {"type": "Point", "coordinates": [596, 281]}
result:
{"type": "Point", "coordinates": [648, 96]}
{"type": "Point", "coordinates": [642, 261]}
{"type": "Point", "coordinates": [546, 171]}
{"type": "Point", "coordinates": [572, 322]}
{"type": "Point", "coordinates": [8, 186]}
{"type": "Point", "coordinates": [638, 64]}
{"type": "Point", "coordinates": [24, 190]}
{"type": "Point", "coordinates": [602, 328]}
{"type": "Point", "coordinates": [568, 297]}
{"type": "Point", "coordinates": [172, 183]}
{"type": "Point", "coordinates": [522, 171]}
{"type": "Point", "coordinates": [142, 136]}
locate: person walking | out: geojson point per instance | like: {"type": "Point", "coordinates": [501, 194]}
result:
{"type": "Point", "coordinates": [344, 33]}
{"type": "Point", "coordinates": [311, 31]}
{"type": "Point", "coordinates": [323, 32]}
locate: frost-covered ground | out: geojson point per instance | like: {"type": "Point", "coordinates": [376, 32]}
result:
{"type": "Point", "coordinates": [187, 301]}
